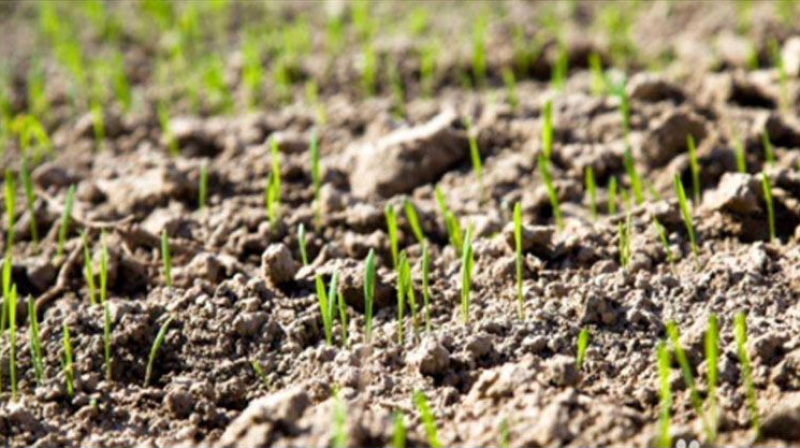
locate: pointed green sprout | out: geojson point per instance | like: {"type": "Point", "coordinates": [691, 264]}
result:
{"type": "Point", "coordinates": [547, 129]}
{"type": "Point", "coordinates": [398, 91]}
{"type": "Point", "coordinates": [583, 344]}
{"type": "Point", "coordinates": [334, 293]}
{"type": "Point", "coordinates": [519, 257]}
{"type": "Point", "coordinates": [694, 167]}
{"type": "Point", "coordinates": [399, 430]}
{"type": "Point", "coordinates": [561, 68]}
{"type": "Point", "coordinates": [510, 81]}
{"type": "Point", "coordinates": [162, 334]}
{"type": "Point", "coordinates": [35, 343]}
{"type": "Point", "coordinates": [66, 216]}
{"type": "Point", "coordinates": [504, 434]}
{"type": "Point", "coordinates": [591, 190]}
{"type": "Point", "coordinates": [633, 177]}
{"type": "Point", "coordinates": [402, 288]}
{"type": "Point", "coordinates": [767, 189]}
{"type": "Point", "coordinates": [30, 199]}
{"type": "Point", "coordinates": [686, 213]}
{"type": "Point", "coordinates": [260, 372]}
{"type": "Point", "coordinates": [598, 77]}
{"type": "Point", "coordinates": [369, 70]}
{"type": "Point", "coordinates": [391, 226]}
{"type": "Point", "coordinates": [769, 155]}
{"type": "Point", "coordinates": [479, 51]}
{"type": "Point", "coordinates": [612, 196]}
{"type": "Point", "coordinates": [10, 197]}
{"type": "Point", "coordinates": [413, 221]}
{"type": "Point", "coordinates": [340, 434]}
{"type": "Point", "coordinates": [662, 237]}
{"type": "Point", "coordinates": [712, 357]}
{"type": "Point", "coordinates": [274, 185]}
{"type": "Point", "coordinates": [316, 176]}
{"type": "Point", "coordinates": [428, 419]}
{"type": "Point", "coordinates": [66, 361]}
{"type": "Point", "coordinates": [12, 339]}
{"type": "Point", "coordinates": [740, 330]}
{"type": "Point", "coordinates": [467, 262]}
{"type": "Point", "coordinates": [624, 235]}
{"type": "Point", "coordinates": [326, 305]}
{"type": "Point", "coordinates": [6, 299]}
{"type": "Point", "coordinates": [166, 259]}
{"type": "Point", "coordinates": [411, 296]}
{"type": "Point", "coordinates": [426, 266]}
{"type": "Point", "coordinates": [451, 222]}
{"type": "Point", "coordinates": [475, 154]}
{"type": "Point", "coordinates": [665, 395]}
{"type": "Point", "coordinates": [202, 189]}
{"type": "Point", "coordinates": [686, 370]}
{"type": "Point", "coordinates": [741, 162]}
{"type": "Point", "coordinates": [301, 241]}
{"type": "Point", "coordinates": [166, 130]}
{"type": "Point", "coordinates": [369, 294]}
{"type": "Point", "coordinates": [106, 311]}
{"type": "Point", "coordinates": [544, 170]}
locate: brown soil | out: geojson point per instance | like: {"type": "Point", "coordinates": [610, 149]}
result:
{"type": "Point", "coordinates": [241, 295]}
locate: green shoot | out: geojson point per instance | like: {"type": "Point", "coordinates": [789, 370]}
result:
{"type": "Point", "coordinates": [391, 226]}
{"type": "Point", "coordinates": [740, 330]}
{"type": "Point", "coordinates": [612, 196]}
{"type": "Point", "coordinates": [369, 293]}
{"type": "Point", "coordinates": [769, 155]}
{"type": "Point", "coordinates": [511, 88]}
{"type": "Point", "coordinates": [695, 168]}
{"type": "Point", "coordinates": [633, 177]}
{"type": "Point", "coordinates": [475, 155]}
{"type": "Point", "coordinates": [402, 288]}
{"type": "Point", "coordinates": [544, 170]}
{"type": "Point", "coordinates": [688, 377]}
{"type": "Point", "coordinates": [166, 259]}
{"type": "Point", "coordinates": [428, 419]}
{"type": "Point", "coordinates": [398, 92]}
{"type": "Point", "coordinates": [770, 210]}
{"type": "Point", "coordinates": [30, 199]}
{"type": "Point", "coordinates": [504, 434]}
{"type": "Point", "coordinates": [624, 236]}
{"type": "Point", "coordinates": [598, 77]}
{"type": "Point", "coordinates": [35, 342]}
{"type": "Point", "coordinates": [12, 339]}
{"type": "Point", "coordinates": [202, 189]}
{"type": "Point", "coordinates": [451, 222]}
{"type": "Point", "coordinates": [166, 130]}
{"type": "Point", "coordinates": [66, 216]}
{"type": "Point", "coordinates": [665, 395]}
{"type": "Point", "coordinates": [426, 266]}
{"type": "Point", "coordinates": [66, 361]}
{"type": "Point", "coordinates": [583, 343]}
{"type": "Point", "coordinates": [624, 109]}
{"type": "Point", "coordinates": [326, 310]}
{"type": "Point", "coordinates": [741, 163]}
{"type": "Point", "coordinates": [662, 237]}
{"type": "Point", "coordinates": [260, 372]}
{"type": "Point", "coordinates": [88, 270]}
{"type": "Point", "coordinates": [252, 70]}
{"type": "Point", "coordinates": [339, 422]}
{"type": "Point", "coordinates": [274, 186]}
{"type": "Point", "coordinates": [399, 432]}
{"type": "Point", "coordinates": [479, 51]}
{"type": "Point", "coordinates": [301, 241]}
{"type": "Point", "coordinates": [519, 257]}
{"type": "Point", "coordinates": [547, 129]}
{"type": "Point", "coordinates": [162, 334]}
{"type": "Point", "coordinates": [467, 262]}
{"type": "Point", "coordinates": [591, 190]}
{"type": "Point", "coordinates": [106, 311]}
{"type": "Point", "coordinates": [10, 193]}
{"type": "Point", "coordinates": [369, 71]}
{"type": "Point", "coordinates": [559, 72]}
{"type": "Point", "coordinates": [427, 68]}
{"type": "Point", "coordinates": [686, 214]}
{"type": "Point", "coordinates": [413, 221]}
{"type": "Point", "coordinates": [103, 268]}
{"type": "Point", "coordinates": [410, 295]}
{"type": "Point", "coordinates": [334, 295]}
{"type": "Point", "coordinates": [4, 306]}
{"type": "Point", "coordinates": [712, 357]}
{"type": "Point", "coordinates": [316, 177]}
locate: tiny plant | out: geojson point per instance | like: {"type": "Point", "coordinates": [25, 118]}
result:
{"type": "Point", "coordinates": [202, 189]}
{"type": "Point", "coordinates": [166, 130]}
{"type": "Point", "coordinates": [339, 422]}
{"type": "Point", "coordinates": [326, 308]}
{"type": "Point", "coordinates": [166, 259]}
{"type": "Point", "coordinates": [451, 222]}
{"type": "Point", "coordinates": [30, 199]}
{"type": "Point", "coordinates": [411, 295]}
{"type": "Point", "coordinates": [583, 343]}
{"type": "Point", "coordinates": [662, 237]}
{"type": "Point", "coordinates": [301, 241]}
{"type": "Point", "coordinates": [510, 81]}
{"type": "Point", "coordinates": [694, 168]}
{"type": "Point", "coordinates": [35, 342]}
{"type": "Point", "coordinates": [741, 162]}
{"type": "Point", "coordinates": [591, 190]}
{"type": "Point", "coordinates": [547, 129]}
{"type": "Point", "coordinates": [544, 170]}
{"type": "Point", "coordinates": [665, 395]}
{"type": "Point", "coordinates": [273, 192]}
{"type": "Point", "coordinates": [426, 266]}
{"type": "Point", "coordinates": [413, 221]}
{"type": "Point", "coordinates": [769, 155]}
{"type": "Point", "coordinates": [740, 331]}
{"type": "Point", "coordinates": [519, 257]}
{"type": "Point", "coordinates": [467, 262]}
{"type": "Point", "coordinates": [402, 288]}
{"type": "Point", "coordinates": [106, 311]}
{"type": "Point", "coordinates": [479, 51]}
{"type": "Point", "coordinates": [504, 434]}
{"type": "Point", "coordinates": [686, 370]}
{"type": "Point", "coordinates": [475, 154]}
{"type": "Point", "coordinates": [12, 339]}
{"type": "Point", "coordinates": [399, 430]}
{"type": "Point", "coordinates": [428, 419]}
{"type": "Point", "coordinates": [612, 196]}
{"type": "Point", "coordinates": [598, 77]}
{"type": "Point", "coordinates": [66, 361]}
{"type": "Point", "coordinates": [624, 236]}
{"type": "Point", "coordinates": [162, 334]}
{"type": "Point", "coordinates": [770, 210]}
{"type": "Point", "coordinates": [88, 270]}
{"type": "Point", "coordinates": [712, 358]}
{"type": "Point", "coordinates": [316, 177]}
{"type": "Point", "coordinates": [66, 216]}
{"type": "Point", "coordinates": [391, 226]}
{"type": "Point", "coordinates": [559, 72]}
{"type": "Point", "coordinates": [369, 293]}
{"type": "Point", "coordinates": [633, 177]}
{"type": "Point", "coordinates": [686, 213]}
{"type": "Point", "coordinates": [260, 372]}
{"type": "Point", "coordinates": [333, 293]}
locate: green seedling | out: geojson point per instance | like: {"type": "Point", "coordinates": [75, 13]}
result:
{"type": "Point", "coordinates": [519, 257]}
{"type": "Point", "coordinates": [273, 194]}
{"type": "Point", "coordinates": [426, 266]}
{"type": "Point", "coordinates": [31, 130]}
{"type": "Point", "coordinates": [451, 222]}
{"type": "Point", "coordinates": [624, 235]}
{"type": "Point", "coordinates": [66, 217]}
{"type": "Point", "coordinates": [166, 259]}
{"type": "Point", "coordinates": [11, 303]}
{"type": "Point", "coordinates": [428, 419]}
{"type": "Point", "coordinates": [427, 68]}
{"type": "Point", "coordinates": [4, 306]}
{"type": "Point", "coordinates": [583, 344]}
{"type": "Point", "coordinates": [369, 71]}
{"type": "Point", "coordinates": [121, 86]}
{"type": "Point", "coordinates": [712, 358]}
{"type": "Point", "coordinates": [544, 170]}
{"type": "Point", "coordinates": [411, 296]}
{"type": "Point", "coordinates": [162, 334]}
{"type": "Point", "coordinates": [260, 372]}
{"type": "Point", "coordinates": [504, 434]}
{"type": "Point", "coordinates": [30, 199]}
{"type": "Point", "coordinates": [413, 221]}
{"type": "Point", "coordinates": [624, 108]}
{"type": "Point", "coordinates": [301, 241]}
{"type": "Point", "coordinates": [369, 294]}
{"type": "Point", "coordinates": [10, 196]}
{"type": "Point", "coordinates": [326, 306]}
{"type": "Point", "coordinates": [399, 430]}
{"type": "Point", "coordinates": [559, 74]}
{"type": "Point", "coordinates": [66, 361]}
{"type": "Point", "coordinates": [166, 130]}
{"type": "Point", "coordinates": [665, 395]}
{"type": "Point", "coordinates": [612, 196]}
{"type": "Point", "coordinates": [686, 214]}
{"type": "Point", "coordinates": [547, 129]}
{"type": "Point", "coordinates": [770, 210]}
{"type": "Point", "coordinates": [316, 177]}
{"type": "Point", "coordinates": [694, 167]}
{"type": "Point", "coordinates": [741, 163]}
{"type": "Point", "coordinates": [88, 270]}
{"type": "Point", "coordinates": [662, 237]}
{"type": "Point", "coordinates": [98, 122]}
{"type": "Point", "coordinates": [510, 81]}
{"type": "Point", "coordinates": [591, 190]}
{"type": "Point", "coordinates": [202, 188]}
{"type": "Point", "coordinates": [252, 70]}
{"type": "Point", "coordinates": [402, 289]}
{"type": "Point", "coordinates": [398, 91]}
{"type": "Point", "coordinates": [633, 177]}
{"type": "Point", "coordinates": [467, 261]}
{"type": "Point", "coordinates": [479, 51]}
{"type": "Point", "coordinates": [340, 435]}
{"type": "Point", "coordinates": [599, 81]}
{"type": "Point", "coordinates": [35, 343]}
{"type": "Point", "coordinates": [740, 330]}
{"type": "Point", "coordinates": [475, 155]}
{"type": "Point", "coordinates": [769, 155]}
{"type": "Point", "coordinates": [686, 370]}
{"type": "Point", "coordinates": [334, 294]}
{"type": "Point", "coordinates": [106, 311]}
{"type": "Point", "coordinates": [391, 227]}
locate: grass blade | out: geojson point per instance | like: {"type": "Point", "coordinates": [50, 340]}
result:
{"type": "Point", "coordinates": [88, 270]}
{"type": "Point", "coordinates": [413, 221]}
{"type": "Point", "coordinates": [740, 331]}
{"type": "Point", "coordinates": [10, 197]}
{"type": "Point", "coordinates": [202, 189]}
{"type": "Point", "coordinates": [633, 177]}
{"type": "Point", "coordinates": [475, 155]}
{"type": "Point", "coordinates": [369, 294]}
{"type": "Point", "coordinates": [333, 293]}
{"type": "Point", "coordinates": [260, 372]}
{"type": "Point", "coordinates": [547, 129]}
{"type": "Point", "coordinates": [519, 257]}
{"type": "Point", "coordinates": [665, 395]}
{"type": "Point", "coordinates": [66, 216]}
{"type": "Point", "coordinates": [428, 420]}
{"type": "Point", "coordinates": [662, 237]}
{"type": "Point", "coordinates": [399, 432]}
{"type": "Point", "coordinates": [450, 221]}
{"type": "Point", "coordinates": [66, 361]}
{"type": "Point", "coordinates": [591, 190]}
{"type": "Point", "coordinates": [316, 177]}
{"type": "Point", "coordinates": [612, 196]}
{"type": "Point", "coordinates": [391, 226]}
{"type": "Point", "coordinates": [162, 334]}
{"type": "Point", "coordinates": [544, 170]}
{"type": "Point", "coordinates": [767, 189]}
{"type": "Point", "coordinates": [340, 434]}
{"type": "Point", "coordinates": [35, 342]}
{"type": "Point", "coordinates": [583, 344]}
{"type": "Point", "coordinates": [741, 162]}
{"type": "Point", "coordinates": [426, 264]}
{"type": "Point", "coordinates": [688, 377]}
{"type": "Point", "coordinates": [686, 214]}
{"type": "Point", "coordinates": [166, 259]}
{"type": "Point", "coordinates": [402, 287]}
{"type": "Point", "coordinates": [712, 357]}
{"type": "Point", "coordinates": [12, 339]}
{"type": "Point", "coordinates": [769, 156]}
{"type": "Point", "coordinates": [325, 310]}
{"type": "Point", "coordinates": [694, 167]}
{"type": "Point", "coordinates": [466, 275]}
{"type": "Point", "coordinates": [301, 241]}
{"type": "Point", "coordinates": [30, 199]}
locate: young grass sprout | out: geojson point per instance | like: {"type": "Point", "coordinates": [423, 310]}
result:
{"type": "Point", "coordinates": [591, 190]}
{"type": "Point", "coordinates": [399, 430]}
{"type": "Point", "coordinates": [612, 196]}
{"type": "Point", "coordinates": [369, 294]}
{"type": "Point", "coordinates": [166, 259]}
{"type": "Point", "coordinates": [35, 342]}
{"type": "Point", "coordinates": [769, 155]}
{"type": "Point", "coordinates": [519, 257]}
{"type": "Point", "coordinates": [426, 266]}
{"type": "Point", "coordinates": [260, 372]}
{"type": "Point", "coordinates": [10, 198]}
{"type": "Point", "coordinates": [688, 377]}
{"type": "Point", "coordinates": [544, 170]}
{"type": "Point", "coordinates": [66, 216]}
{"type": "Point", "coordinates": [428, 419]}
{"type": "Point", "coordinates": [202, 189]}
{"type": "Point", "coordinates": [741, 161]}
{"type": "Point", "coordinates": [583, 344]}
{"type": "Point", "coordinates": [326, 304]}
{"type": "Point", "coordinates": [467, 262]}
{"type": "Point", "coordinates": [740, 331]}
{"type": "Point", "coordinates": [475, 155]}
{"type": "Point", "coordinates": [316, 177]}
{"type": "Point", "coordinates": [547, 129]}
{"type": "Point", "coordinates": [106, 311]}
{"type": "Point", "coordinates": [12, 339]}
{"type": "Point", "coordinates": [273, 189]}
{"type": "Point", "coordinates": [665, 395]}
{"type": "Point", "coordinates": [402, 288]}
{"type": "Point", "coordinates": [633, 177]}
{"type": "Point", "coordinates": [413, 221]}
{"type": "Point", "coordinates": [66, 361]}
{"type": "Point", "coordinates": [450, 221]}
{"type": "Point", "coordinates": [162, 334]}
{"type": "Point", "coordinates": [686, 214]}
{"type": "Point", "coordinates": [391, 227]}
{"type": "Point", "coordinates": [712, 357]}
{"type": "Point", "coordinates": [30, 199]}
{"type": "Point", "coordinates": [694, 168]}
{"type": "Point", "coordinates": [765, 185]}
{"type": "Point", "coordinates": [301, 241]}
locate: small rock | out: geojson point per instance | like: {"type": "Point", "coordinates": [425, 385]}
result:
{"type": "Point", "coordinates": [563, 370]}
{"type": "Point", "coordinates": [787, 373]}
{"type": "Point", "coordinates": [651, 87]}
{"type": "Point", "coordinates": [737, 193]}
{"type": "Point", "coordinates": [790, 53]}
{"type": "Point", "coordinates": [666, 137]}
{"type": "Point", "coordinates": [41, 273]}
{"type": "Point", "coordinates": [290, 142]}
{"type": "Point", "coordinates": [598, 309]}
{"type": "Point", "coordinates": [248, 324]}
{"type": "Point", "coordinates": [179, 403]}
{"type": "Point", "coordinates": [766, 346]}
{"type": "Point", "coordinates": [277, 264]}
{"type": "Point", "coordinates": [478, 346]}
{"type": "Point", "coordinates": [536, 239]}
{"type": "Point", "coordinates": [256, 424]}
{"type": "Point", "coordinates": [783, 419]}
{"type": "Point", "coordinates": [48, 175]}
{"type": "Point", "coordinates": [430, 358]}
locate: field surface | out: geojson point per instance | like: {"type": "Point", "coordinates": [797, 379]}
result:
{"type": "Point", "coordinates": [242, 224]}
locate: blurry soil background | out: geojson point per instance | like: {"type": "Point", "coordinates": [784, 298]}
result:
{"type": "Point", "coordinates": [135, 103]}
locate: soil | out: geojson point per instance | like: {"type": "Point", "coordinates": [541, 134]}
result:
{"type": "Point", "coordinates": [241, 295]}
